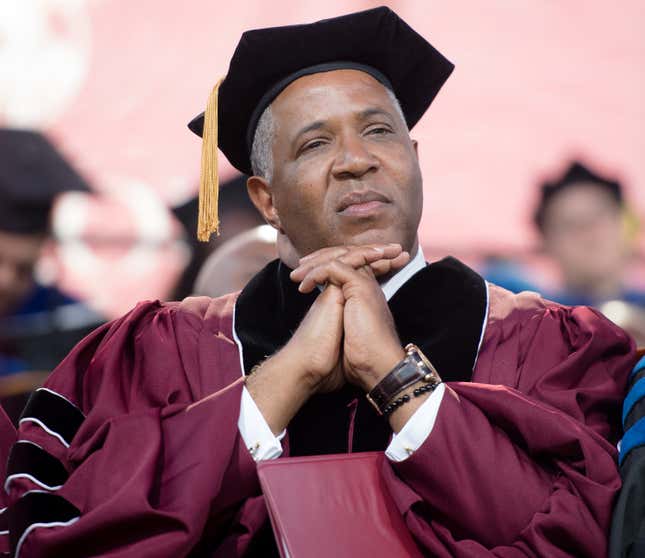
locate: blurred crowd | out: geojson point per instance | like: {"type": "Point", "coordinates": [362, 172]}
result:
{"type": "Point", "coordinates": [586, 227]}
{"type": "Point", "coordinates": [587, 232]}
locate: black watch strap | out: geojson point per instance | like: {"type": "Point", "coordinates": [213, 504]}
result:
{"type": "Point", "coordinates": [414, 368]}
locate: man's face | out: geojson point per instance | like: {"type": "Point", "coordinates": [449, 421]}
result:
{"type": "Point", "coordinates": [345, 168]}
{"type": "Point", "coordinates": [583, 231]}
{"type": "Point", "coordinates": [18, 256]}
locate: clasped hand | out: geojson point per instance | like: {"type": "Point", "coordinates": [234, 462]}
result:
{"type": "Point", "coordinates": [348, 333]}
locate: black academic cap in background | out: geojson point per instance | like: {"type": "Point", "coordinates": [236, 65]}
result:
{"type": "Point", "coordinates": [233, 198]}
{"type": "Point", "coordinates": [32, 174]}
{"type": "Point", "coordinates": [238, 213]}
{"type": "Point", "coordinates": [576, 173]}
{"type": "Point", "coordinates": [266, 61]}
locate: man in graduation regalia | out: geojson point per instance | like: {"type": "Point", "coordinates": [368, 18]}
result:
{"type": "Point", "coordinates": [145, 439]}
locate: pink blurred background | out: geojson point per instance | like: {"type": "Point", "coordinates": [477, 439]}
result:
{"type": "Point", "coordinates": [116, 81]}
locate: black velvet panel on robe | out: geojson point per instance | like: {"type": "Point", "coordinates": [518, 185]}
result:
{"type": "Point", "coordinates": [442, 309]}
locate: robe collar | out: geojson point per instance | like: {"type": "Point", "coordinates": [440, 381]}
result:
{"type": "Point", "coordinates": [442, 308]}
{"type": "Point", "coordinates": [400, 278]}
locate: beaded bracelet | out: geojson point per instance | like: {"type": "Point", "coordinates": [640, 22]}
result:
{"type": "Point", "coordinates": [396, 403]}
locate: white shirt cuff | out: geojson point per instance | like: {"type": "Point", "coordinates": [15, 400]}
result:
{"type": "Point", "coordinates": [417, 429]}
{"type": "Point", "coordinates": [255, 431]}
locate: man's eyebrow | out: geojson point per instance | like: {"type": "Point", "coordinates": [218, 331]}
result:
{"type": "Point", "coordinates": [367, 113]}
{"type": "Point", "coordinates": [317, 125]}
{"type": "Point", "coordinates": [363, 115]}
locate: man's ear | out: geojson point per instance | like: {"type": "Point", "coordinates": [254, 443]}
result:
{"type": "Point", "coordinates": [260, 193]}
{"type": "Point", "coordinates": [415, 144]}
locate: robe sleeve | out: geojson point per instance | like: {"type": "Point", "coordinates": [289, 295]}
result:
{"type": "Point", "coordinates": [115, 457]}
{"type": "Point", "coordinates": [525, 469]}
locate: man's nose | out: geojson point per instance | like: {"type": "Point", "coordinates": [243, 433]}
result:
{"type": "Point", "coordinates": [354, 159]}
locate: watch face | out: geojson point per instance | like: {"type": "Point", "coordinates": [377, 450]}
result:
{"type": "Point", "coordinates": [421, 359]}
{"type": "Point", "coordinates": [411, 370]}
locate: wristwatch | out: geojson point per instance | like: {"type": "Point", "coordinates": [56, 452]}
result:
{"type": "Point", "coordinates": [414, 368]}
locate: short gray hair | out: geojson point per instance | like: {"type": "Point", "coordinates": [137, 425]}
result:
{"type": "Point", "coordinates": [397, 107]}
{"type": "Point", "coordinates": [261, 150]}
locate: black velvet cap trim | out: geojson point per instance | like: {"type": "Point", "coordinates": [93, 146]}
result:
{"type": "Point", "coordinates": [442, 309]}
{"type": "Point", "coordinates": [30, 459]}
{"type": "Point", "coordinates": [55, 412]}
{"type": "Point", "coordinates": [38, 507]}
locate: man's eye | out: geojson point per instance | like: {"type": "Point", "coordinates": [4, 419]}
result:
{"type": "Point", "coordinates": [379, 130]}
{"type": "Point", "coordinates": [312, 145]}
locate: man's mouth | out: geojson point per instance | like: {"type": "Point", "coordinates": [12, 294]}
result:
{"type": "Point", "coordinates": [361, 203]}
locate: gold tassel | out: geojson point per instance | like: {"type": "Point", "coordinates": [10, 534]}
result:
{"type": "Point", "coordinates": [208, 220]}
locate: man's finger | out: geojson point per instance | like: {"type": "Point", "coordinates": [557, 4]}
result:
{"type": "Point", "coordinates": [355, 259]}
{"type": "Point", "coordinates": [354, 256]}
{"type": "Point", "coordinates": [315, 275]}
{"type": "Point", "coordinates": [334, 273]}
{"type": "Point", "coordinates": [383, 267]}
{"type": "Point", "coordinates": [331, 251]}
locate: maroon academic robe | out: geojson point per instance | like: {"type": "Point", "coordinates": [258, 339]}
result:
{"type": "Point", "coordinates": [132, 449]}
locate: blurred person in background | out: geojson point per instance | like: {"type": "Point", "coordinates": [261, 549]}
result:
{"type": "Point", "coordinates": [585, 228]}
{"type": "Point", "coordinates": [236, 261]}
{"type": "Point", "coordinates": [231, 266]}
{"type": "Point", "coordinates": [39, 324]}
{"type": "Point", "coordinates": [508, 272]}
{"type": "Point", "coordinates": [238, 214]}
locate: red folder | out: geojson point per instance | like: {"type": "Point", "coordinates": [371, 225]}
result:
{"type": "Point", "coordinates": [334, 505]}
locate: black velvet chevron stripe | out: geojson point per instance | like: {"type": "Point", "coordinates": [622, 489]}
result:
{"type": "Point", "coordinates": [38, 507]}
{"type": "Point", "coordinates": [30, 459]}
{"type": "Point", "coordinates": [55, 412]}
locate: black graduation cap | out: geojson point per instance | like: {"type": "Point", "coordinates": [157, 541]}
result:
{"type": "Point", "coordinates": [32, 174]}
{"type": "Point", "coordinates": [266, 61]}
{"type": "Point", "coordinates": [575, 173]}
